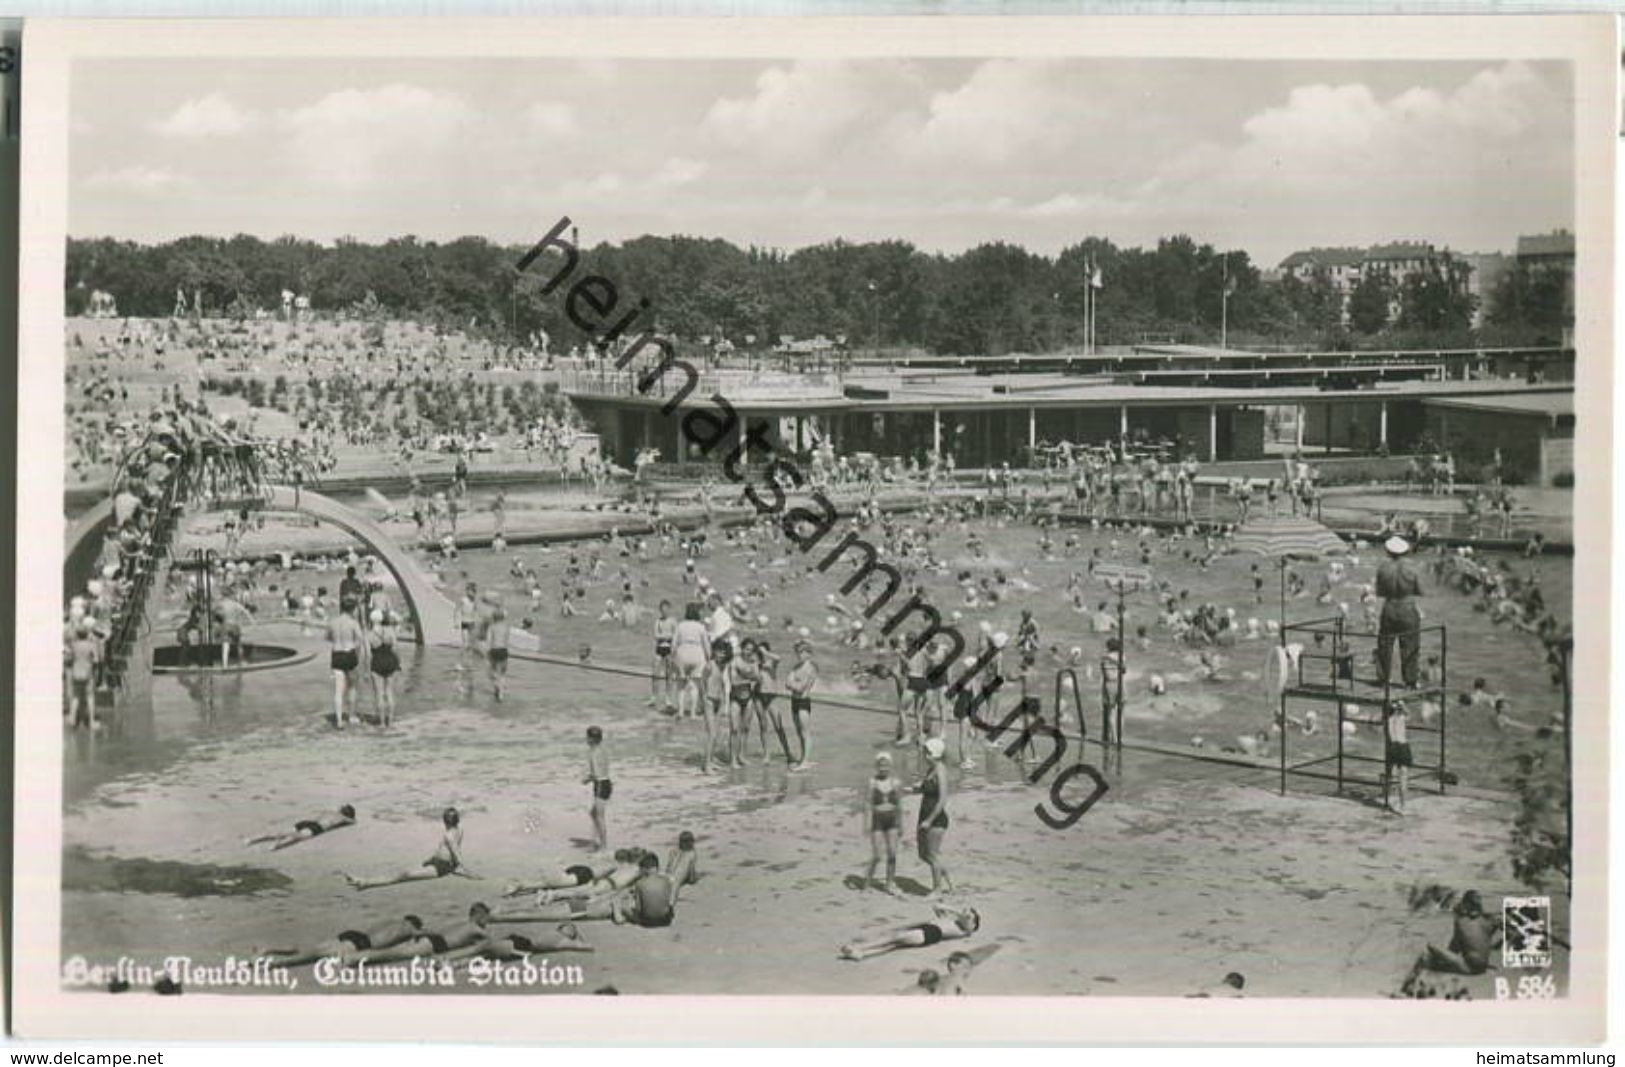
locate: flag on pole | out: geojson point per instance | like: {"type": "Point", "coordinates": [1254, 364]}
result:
{"type": "Point", "coordinates": [1096, 281]}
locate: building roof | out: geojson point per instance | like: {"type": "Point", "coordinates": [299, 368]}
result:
{"type": "Point", "coordinates": [896, 392]}
{"type": "Point", "coordinates": [1324, 257]}
{"type": "Point", "coordinates": [1398, 250]}
{"type": "Point", "coordinates": [1551, 405]}
{"type": "Point", "coordinates": [1557, 243]}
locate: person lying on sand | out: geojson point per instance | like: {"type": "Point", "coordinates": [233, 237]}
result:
{"type": "Point", "coordinates": [608, 879]}
{"type": "Point", "coordinates": [347, 943]}
{"type": "Point", "coordinates": [447, 859]}
{"type": "Point", "coordinates": [649, 900]}
{"type": "Point", "coordinates": [961, 924]}
{"type": "Point", "coordinates": [571, 877]}
{"type": "Point", "coordinates": [455, 939]}
{"type": "Point", "coordinates": [305, 829]}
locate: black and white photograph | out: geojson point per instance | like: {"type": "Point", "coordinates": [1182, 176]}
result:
{"type": "Point", "coordinates": [730, 510]}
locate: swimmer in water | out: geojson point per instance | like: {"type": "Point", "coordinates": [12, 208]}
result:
{"type": "Point", "coordinates": [305, 829]}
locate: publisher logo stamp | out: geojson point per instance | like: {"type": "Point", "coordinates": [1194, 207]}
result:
{"type": "Point", "coordinates": [1526, 931]}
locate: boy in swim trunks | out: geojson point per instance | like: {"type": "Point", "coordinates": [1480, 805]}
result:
{"type": "Point", "coordinates": [571, 877]}
{"type": "Point", "coordinates": [648, 898]}
{"type": "Point", "coordinates": [452, 942]}
{"type": "Point", "coordinates": [801, 680]}
{"type": "Point", "coordinates": [602, 788]}
{"type": "Point", "coordinates": [607, 881]}
{"type": "Point", "coordinates": [664, 670]}
{"type": "Point", "coordinates": [348, 944]}
{"type": "Point", "coordinates": [960, 924]}
{"type": "Point", "coordinates": [447, 858]}
{"type": "Point", "coordinates": [1399, 755]}
{"type": "Point", "coordinates": [305, 829]}
{"type": "Point", "coordinates": [496, 649]}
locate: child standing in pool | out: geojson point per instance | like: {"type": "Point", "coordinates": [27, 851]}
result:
{"type": "Point", "coordinates": [602, 788]}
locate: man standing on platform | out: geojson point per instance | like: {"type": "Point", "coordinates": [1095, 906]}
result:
{"type": "Point", "coordinates": [1399, 589]}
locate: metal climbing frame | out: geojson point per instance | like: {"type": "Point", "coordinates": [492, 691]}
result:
{"type": "Point", "coordinates": [1067, 679]}
{"type": "Point", "coordinates": [1325, 672]}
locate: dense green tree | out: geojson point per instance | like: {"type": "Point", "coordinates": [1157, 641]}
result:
{"type": "Point", "coordinates": [1370, 304]}
{"type": "Point", "coordinates": [994, 298]}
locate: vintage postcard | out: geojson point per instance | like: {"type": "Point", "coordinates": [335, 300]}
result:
{"type": "Point", "coordinates": [1103, 519]}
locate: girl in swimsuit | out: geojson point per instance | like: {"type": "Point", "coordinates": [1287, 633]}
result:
{"type": "Point", "coordinates": [719, 676]}
{"type": "Point", "coordinates": [766, 714]}
{"type": "Point", "coordinates": [690, 643]}
{"type": "Point", "coordinates": [950, 925]}
{"type": "Point", "coordinates": [386, 663]}
{"type": "Point", "coordinates": [884, 822]}
{"type": "Point", "coordinates": [933, 825]}
{"type": "Point", "coordinates": [747, 681]}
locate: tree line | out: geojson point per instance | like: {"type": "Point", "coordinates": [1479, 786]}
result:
{"type": "Point", "coordinates": [989, 300]}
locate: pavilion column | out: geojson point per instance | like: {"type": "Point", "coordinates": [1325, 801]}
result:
{"type": "Point", "coordinates": [1212, 432]}
{"type": "Point", "coordinates": [1122, 422]}
{"type": "Point", "coordinates": [1032, 429]}
{"type": "Point", "coordinates": [1382, 423]}
{"type": "Point", "coordinates": [1303, 413]}
{"type": "Point", "coordinates": [936, 432]}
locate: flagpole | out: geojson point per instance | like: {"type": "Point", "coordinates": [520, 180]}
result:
{"type": "Point", "coordinates": [1089, 308]}
{"type": "Point", "coordinates": [1089, 284]}
{"type": "Point", "coordinates": [1224, 305]}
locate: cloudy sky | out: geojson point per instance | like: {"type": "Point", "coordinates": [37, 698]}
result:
{"type": "Point", "coordinates": [1266, 156]}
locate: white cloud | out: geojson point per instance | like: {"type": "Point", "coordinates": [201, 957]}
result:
{"type": "Point", "coordinates": [802, 111]}
{"type": "Point", "coordinates": [138, 179]}
{"type": "Point", "coordinates": [1007, 112]}
{"type": "Point", "coordinates": [677, 171]}
{"type": "Point", "coordinates": [551, 118]}
{"type": "Point", "coordinates": [611, 188]}
{"type": "Point", "coordinates": [206, 116]}
{"type": "Point", "coordinates": [1072, 206]}
{"type": "Point", "coordinates": [347, 137]}
{"type": "Point", "coordinates": [1342, 136]}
